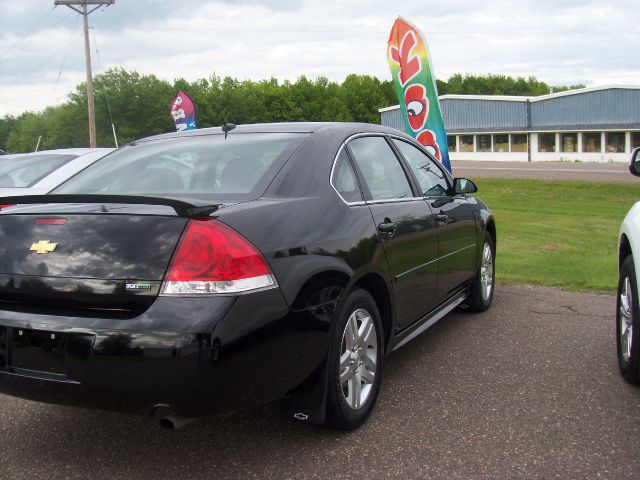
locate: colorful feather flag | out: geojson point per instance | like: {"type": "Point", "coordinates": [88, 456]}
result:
{"type": "Point", "coordinates": [410, 64]}
{"type": "Point", "coordinates": [183, 112]}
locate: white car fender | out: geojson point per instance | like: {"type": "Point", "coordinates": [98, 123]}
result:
{"type": "Point", "coordinates": [631, 229]}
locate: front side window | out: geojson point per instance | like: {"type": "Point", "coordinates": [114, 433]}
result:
{"type": "Point", "coordinates": [431, 179]}
{"type": "Point", "coordinates": [380, 168]}
{"type": "Point", "coordinates": [207, 166]}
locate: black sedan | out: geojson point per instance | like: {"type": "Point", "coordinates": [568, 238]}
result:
{"type": "Point", "coordinates": [209, 271]}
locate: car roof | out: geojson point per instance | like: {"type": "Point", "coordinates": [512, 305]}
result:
{"type": "Point", "coordinates": [62, 151]}
{"type": "Point", "coordinates": [290, 127]}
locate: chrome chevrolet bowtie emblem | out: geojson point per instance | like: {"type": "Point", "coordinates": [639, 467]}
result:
{"type": "Point", "coordinates": [43, 246]}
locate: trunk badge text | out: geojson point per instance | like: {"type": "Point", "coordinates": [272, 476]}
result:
{"type": "Point", "coordinates": [137, 286]}
{"type": "Point", "coordinates": [43, 246]}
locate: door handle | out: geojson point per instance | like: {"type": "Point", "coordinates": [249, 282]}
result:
{"type": "Point", "coordinates": [442, 218]}
{"type": "Point", "coordinates": [387, 226]}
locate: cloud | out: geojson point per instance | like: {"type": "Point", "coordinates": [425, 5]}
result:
{"type": "Point", "coordinates": [573, 41]}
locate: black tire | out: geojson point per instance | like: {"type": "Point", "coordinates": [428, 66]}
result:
{"type": "Point", "coordinates": [479, 299]}
{"type": "Point", "coordinates": [628, 316]}
{"type": "Point", "coordinates": [343, 411]}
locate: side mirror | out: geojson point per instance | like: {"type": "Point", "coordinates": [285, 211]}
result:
{"type": "Point", "coordinates": [463, 185]}
{"type": "Point", "coordinates": [634, 166]}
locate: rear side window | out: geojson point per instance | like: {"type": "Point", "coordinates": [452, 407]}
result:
{"type": "Point", "coordinates": [344, 179]}
{"type": "Point", "coordinates": [208, 166]}
{"type": "Point", "coordinates": [380, 168]}
{"type": "Point", "coordinates": [19, 171]}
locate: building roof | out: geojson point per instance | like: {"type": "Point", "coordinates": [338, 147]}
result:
{"type": "Point", "coordinates": [532, 99]}
{"type": "Point", "coordinates": [595, 108]}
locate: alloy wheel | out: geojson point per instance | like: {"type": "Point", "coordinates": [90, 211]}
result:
{"type": "Point", "coordinates": [358, 357]}
{"type": "Point", "coordinates": [486, 271]}
{"type": "Point", "coordinates": [625, 318]}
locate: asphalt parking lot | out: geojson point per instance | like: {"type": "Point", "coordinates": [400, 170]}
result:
{"type": "Point", "coordinates": [529, 389]}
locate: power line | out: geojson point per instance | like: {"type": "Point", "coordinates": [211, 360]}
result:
{"type": "Point", "coordinates": [37, 24]}
{"type": "Point", "coordinates": [22, 45]}
{"type": "Point", "coordinates": [85, 11]}
{"type": "Point", "coordinates": [64, 59]}
{"type": "Point", "coordinates": [106, 96]}
{"type": "Point", "coordinates": [366, 32]}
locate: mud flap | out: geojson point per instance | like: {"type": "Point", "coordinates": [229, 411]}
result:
{"type": "Point", "coordinates": [307, 403]}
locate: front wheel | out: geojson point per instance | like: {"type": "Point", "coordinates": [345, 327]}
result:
{"type": "Point", "coordinates": [628, 323]}
{"type": "Point", "coordinates": [354, 362]}
{"type": "Point", "coordinates": [481, 290]}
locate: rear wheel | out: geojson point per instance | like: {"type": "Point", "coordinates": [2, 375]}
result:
{"type": "Point", "coordinates": [354, 362]}
{"type": "Point", "coordinates": [628, 323]}
{"type": "Point", "coordinates": [481, 290]}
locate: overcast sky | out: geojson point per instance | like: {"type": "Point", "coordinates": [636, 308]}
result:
{"type": "Point", "coordinates": [560, 42]}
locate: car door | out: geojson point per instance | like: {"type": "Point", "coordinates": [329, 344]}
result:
{"type": "Point", "coordinates": [406, 227]}
{"type": "Point", "coordinates": [457, 233]}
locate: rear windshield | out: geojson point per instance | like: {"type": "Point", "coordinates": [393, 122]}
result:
{"type": "Point", "coordinates": [210, 167]}
{"type": "Point", "coordinates": [19, 171]}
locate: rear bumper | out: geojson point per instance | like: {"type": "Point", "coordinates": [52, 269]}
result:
{"type": "Point", "coordinates": [199, 356]}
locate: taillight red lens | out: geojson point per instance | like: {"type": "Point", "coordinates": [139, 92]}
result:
{"type": "Point", "coordinates": [213, 258]}
{"type": "Point", "coordinates": [6, 205]}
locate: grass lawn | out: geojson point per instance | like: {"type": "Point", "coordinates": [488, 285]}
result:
{"type": "Point", "coordinates": [558, 233]}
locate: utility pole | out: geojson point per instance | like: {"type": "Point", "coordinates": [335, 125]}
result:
{"type": "Point", "coordinates": [87, 55]}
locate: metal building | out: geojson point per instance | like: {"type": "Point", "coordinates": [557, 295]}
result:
{"type": "Point", "coordinates": [589, 124]}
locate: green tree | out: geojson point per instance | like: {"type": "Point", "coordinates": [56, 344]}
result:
{"type": "Point", "coordinates": [24, 135]}
{"type": "Point", "coordinates": [362, 96]}
{"type": "Point", "coordinates": [139, 104]}
{"type": "Point", "coordinates": [6, 124]}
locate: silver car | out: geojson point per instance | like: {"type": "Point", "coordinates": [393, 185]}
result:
{"type": "Point", "coordinates": [40, 172]}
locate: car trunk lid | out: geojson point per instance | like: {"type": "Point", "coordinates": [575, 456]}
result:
{"type": "Point", "coordinates": [110, 256]}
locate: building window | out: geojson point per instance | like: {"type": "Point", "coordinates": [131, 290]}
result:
{"type": "Point", "coordinates": [546, 142]}
{"type": "Point", "coordinates": [569, 142]}
{"type": "Point", "coordinates": [591, 142]}
{"type": "Point", "coordinates": [451, 143]}
{"type": "Point", "coordinates": [484, 143]}
{"type": "Point", "coordinates": [501, 143]}
{"type": "Point", "coordinates": [519, 142]}
{"type": "Point", "coordinates": [635, 139]}
{"type": "Point", "coordinates": [614, 142]}
{"type": "Point", "coordinates": [466, 143]}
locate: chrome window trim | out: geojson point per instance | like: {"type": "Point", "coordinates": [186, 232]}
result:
{"type": "Point", "coordinates": [333, 167]}
{"type": "Point", "coordinates": [365, 202]}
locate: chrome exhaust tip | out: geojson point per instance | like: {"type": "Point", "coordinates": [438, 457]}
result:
{"type": "Point", "coordinates": [167, 418]}
{"type": "Point", "coordinates": [173, 422]}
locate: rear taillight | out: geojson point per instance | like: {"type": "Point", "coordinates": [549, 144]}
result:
{"type": "Point", "coordinates": [6, 205]}
{"type": "Point", "coordinates": [214, 259]}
